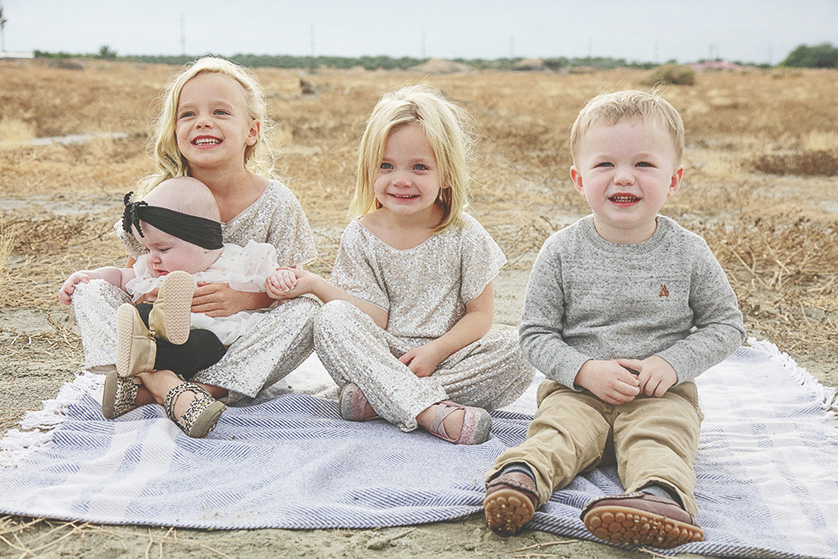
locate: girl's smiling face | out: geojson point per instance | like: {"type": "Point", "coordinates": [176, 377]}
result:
{"type": "Point", "coordinates": [408, 181]}
{"type": "Point", "coordinates": [625, 172]}
{"type": "Point", "coordinates": [213, 126]}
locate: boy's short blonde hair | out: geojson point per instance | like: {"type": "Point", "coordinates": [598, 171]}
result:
{"type": "Point", "coordinates": [608, 109]}
{"type": "Point", "coordinates": [163, 146]}
{"type": "Point", "coordinates": [447, 127]}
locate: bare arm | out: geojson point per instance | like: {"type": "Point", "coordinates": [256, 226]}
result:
{"type": "Point", "coordinates": [323, 290]}
{"type": "Point", "coordinates": [118, 277]}
{"type": "Point", "coordinates": [219, 299]}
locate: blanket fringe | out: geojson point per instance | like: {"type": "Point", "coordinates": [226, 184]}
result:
{"type": "Point", "coordinates": [825, 394]}
{"type": "Point", "coordinates": [37, 426]}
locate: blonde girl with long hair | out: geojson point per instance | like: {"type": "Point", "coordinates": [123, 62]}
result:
{"type": "Point", "coordinates": [213, 127]}
{"type": "Point", "coordinates": [404, 331]}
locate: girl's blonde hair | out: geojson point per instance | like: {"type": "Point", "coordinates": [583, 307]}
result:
{"type": "Point", "coordinates": [163, 148]}
{"type": "Point", "coordinates": [607, 109]}
{"type": "Point", "coordinates": [447, 128]}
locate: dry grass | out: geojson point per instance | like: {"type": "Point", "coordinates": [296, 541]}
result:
{"type": "Point", "coordinates": [7, 244]}
{"type": "Point", "coordinates": [783, 271]}
{"type": "Point", "coordinates": [15, 130]}
{"type": "Point", "coordinates": [31, 538]}
{"type": "Point", "coordinates": [746, 133]}
{"type": "Point", "coordinates": [760, 149]}
{"type": "Point", "coordinates": [807, 163]}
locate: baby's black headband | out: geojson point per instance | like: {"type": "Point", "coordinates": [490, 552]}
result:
{"type": "Point", "coordinates": [200, 231]}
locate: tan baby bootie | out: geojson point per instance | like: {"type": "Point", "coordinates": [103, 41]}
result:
{"type": "Point", "coordinates": [170, 314]}
{"type": "Point", "coordinates": [135, 346]}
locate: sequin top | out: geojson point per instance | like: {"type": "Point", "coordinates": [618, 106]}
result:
{"type": "Point", "coordinates": [276, 217]}
{"type": "Point", "coordinates": [424, 289]}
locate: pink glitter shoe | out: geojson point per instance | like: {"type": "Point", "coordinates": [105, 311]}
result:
{"type": "Point", "coordinates": [353, 403]}
{"type": "Point", "coordinates": [477, 423]}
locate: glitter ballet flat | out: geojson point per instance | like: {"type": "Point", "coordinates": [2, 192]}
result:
{"type": "Point", "coordinates": [477, 423]}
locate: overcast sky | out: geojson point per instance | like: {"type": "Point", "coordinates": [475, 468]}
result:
{"type": "Point", "coordinates": [761, 31]}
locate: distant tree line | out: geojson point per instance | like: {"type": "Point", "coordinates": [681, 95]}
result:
{"type": "Point", "coordinates": [823, 55]}
{"type": "Point", "coordinates": [366, 62]}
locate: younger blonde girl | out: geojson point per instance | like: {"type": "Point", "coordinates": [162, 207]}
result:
{"type": "Point", "coordinates": [404, 330]}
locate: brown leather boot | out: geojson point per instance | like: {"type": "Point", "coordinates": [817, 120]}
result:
{"type": "Point", "coordinates": [640, 519]}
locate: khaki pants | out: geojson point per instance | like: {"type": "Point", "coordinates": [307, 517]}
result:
{"type": "Point", "coordinates": [654, 440]}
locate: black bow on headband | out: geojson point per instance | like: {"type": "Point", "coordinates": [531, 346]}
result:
{"type": "Point", "coordinates": [200, 231]}
{"type": "Point", "coordinates": [131, 214]}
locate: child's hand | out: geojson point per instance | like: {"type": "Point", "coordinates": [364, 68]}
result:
{"type": "Point", "coordinates": [65, 294]}
{"type": "Point", "coordinates": [655, 374]}
{"type": "Point", "coordinates": [219, 299]}
{"type": "Point", "coordinates": [278, 284]}
{"type": "Point", "coordinates": [608, 381]}
{"type": "Point", "coordinates": [422, 360]}
{"type": "Point", "coordinates": [288, 283]}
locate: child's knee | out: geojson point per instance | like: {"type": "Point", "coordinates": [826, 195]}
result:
{"type": "Point", "coordinates": [92, 288]}
{"type": "Point", "coordinates": [334, 313]}
{"type": "Point", "coordinates": [303, 307]}
{"type": "Point", "coordinates": [96, 291]}
{"type": "Point", "coordinates": [545, 389]}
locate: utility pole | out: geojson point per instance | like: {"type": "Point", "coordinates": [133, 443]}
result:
{"type": "Point", "coordinates": [182, 37]}
{"type": "Point", "coordinates": [313, 67]}
{"type": "Point", "coordinates": [2, 29]}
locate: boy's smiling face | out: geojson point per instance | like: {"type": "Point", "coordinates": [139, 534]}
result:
{"type": "Point", "coordinates": [625, 172]}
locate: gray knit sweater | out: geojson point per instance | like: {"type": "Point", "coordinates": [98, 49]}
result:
{"type": "Point", "coordinates": [588, 298]}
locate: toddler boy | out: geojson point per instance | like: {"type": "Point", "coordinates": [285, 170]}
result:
{"type": "Point", "coordinates": [623, 310]}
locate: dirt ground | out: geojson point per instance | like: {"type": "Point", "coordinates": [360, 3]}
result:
{"type": "Point", "coordinates": [760, 185]}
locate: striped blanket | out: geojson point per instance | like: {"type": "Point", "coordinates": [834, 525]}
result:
{"type": "Point", "coordinates": [767, 465]}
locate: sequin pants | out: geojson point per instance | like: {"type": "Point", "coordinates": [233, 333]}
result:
{"type": "Point", "coordinates": [489, 373]}
{"type": "Point", "coordinates": [259, 358]}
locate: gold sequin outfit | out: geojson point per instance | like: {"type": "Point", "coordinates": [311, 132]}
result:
{"type": "Point", "coordinates": [425, 290]}
{"type": "Point", "coordinates": [263, 355]}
